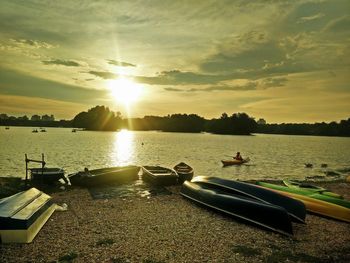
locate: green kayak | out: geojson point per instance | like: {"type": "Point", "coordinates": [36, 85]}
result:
{"type": "Point", "coordinates": [310, 188]}
{"type": "Point", "coordinates": [318, 196]}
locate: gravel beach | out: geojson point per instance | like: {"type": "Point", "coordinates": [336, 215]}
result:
{"type": "Point", "coordinates": [169, 228]}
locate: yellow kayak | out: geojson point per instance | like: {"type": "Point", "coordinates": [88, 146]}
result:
{"type": "Point", "coordinates": [320, 207]}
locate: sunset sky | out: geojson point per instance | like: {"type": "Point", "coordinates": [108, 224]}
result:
{"type": "Point", "coordinates": [284, 61]}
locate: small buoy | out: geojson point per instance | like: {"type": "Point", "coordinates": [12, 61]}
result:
{"type": "Point", "coordinates": [142, 144]}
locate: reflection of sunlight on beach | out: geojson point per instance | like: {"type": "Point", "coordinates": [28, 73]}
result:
{"type": "Point", "coordinates": [122, 147]}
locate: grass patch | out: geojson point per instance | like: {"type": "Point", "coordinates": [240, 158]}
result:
{"type": "Point", "coordinates": [246, 251]}
{"type": "Point", "coordinates": [107, 241]}
{"type": "Point", "coordinates": [68, 257]}
{"type": "Point", "coordinates": [283, 256]}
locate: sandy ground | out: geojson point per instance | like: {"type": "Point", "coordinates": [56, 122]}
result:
{"type": "Point", "coordinates": [169, 228]}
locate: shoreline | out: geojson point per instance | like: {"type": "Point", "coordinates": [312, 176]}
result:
{"type": "Point", "coordinates": [169, 228]}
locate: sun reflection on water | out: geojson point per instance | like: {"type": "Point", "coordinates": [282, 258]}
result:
{"type": "Point", "coordinates": [123, 147]}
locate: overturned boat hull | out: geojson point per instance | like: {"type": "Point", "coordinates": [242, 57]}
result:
{"type": "Point", "coordinates": [268, 216]}
{"type": "Point", "coordinates": [311, 188]}
{"type": "Point", "coordinates": [23, 215]}
{"type": "Point", "coordinates": [325, 198]}
{"type": "Point", "coordinates": [320, 207]}
{"type": "Point", "coordinates": [296, 209]}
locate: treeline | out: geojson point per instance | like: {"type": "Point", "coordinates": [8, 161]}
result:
{"type": "Point", "coordinates": [171, 123]}
{"type": "Point", "coordinates": [101, 118]}
{"type": "Point", "coordinates": [323, 129]}
{"type": "Point", "coordinates": [30, 123]}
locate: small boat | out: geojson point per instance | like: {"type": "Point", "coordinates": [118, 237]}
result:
{"type": "Point", "coordinates": [47, 175]}
{"type": "Point", "coordinates": [296, 209]}
{"type": "Point", "coordinates": [310, 188]}
{"type": "Point", "coordinates": [184, 171]}
{"type": "Point", "coordinates": [104, 176]}
{"type": "Point", "coordinates": [234, 162]}
{"type": "Point", "coordinates": [7, 128]}
{"type": "Point", "coordinates": [321, 207]}
{"type": "Point", "coordinates": [42, 130]}
{"type": "Point", "coordinates": [34, 131]}
{"type": "Point", "coordinates": [159, 175]}
{"type": "Point", "coordinates": [317, 196]}
{"type": "Point", "coordinates": [74, 130]}
{"type": "Point", "coordinates": [23, 215]}
{"type": "Point", "coordinates": [239, 206]}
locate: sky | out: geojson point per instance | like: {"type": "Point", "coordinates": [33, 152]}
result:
{"type": "Point", "coordinates": [284, 61]}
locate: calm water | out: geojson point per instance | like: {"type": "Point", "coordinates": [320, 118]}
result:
{"type": "Point", "coordinates": [272, 156]}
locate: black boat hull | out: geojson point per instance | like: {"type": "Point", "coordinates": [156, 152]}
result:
{"type": "Point", "coordinates": [105, 176]}
{"type": "Point", "coordinates": [295, 208]}
{"type": "Point", "coordinates": [268, 216]}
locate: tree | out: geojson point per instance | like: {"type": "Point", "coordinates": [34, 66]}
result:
{"type": "Point", "coordinates": [35, 118]}
{"type": "Point", "coordinates": [237, 123]}
{"type": "Point", "coordinates": [99, 118]}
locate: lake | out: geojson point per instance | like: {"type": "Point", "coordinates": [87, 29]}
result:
{"type": "Point", "coordinates": [272, 156]}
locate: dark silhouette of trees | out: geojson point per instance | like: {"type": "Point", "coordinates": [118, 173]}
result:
{"type": "Point", "coordinates": [324, 129]}
{"type": "Point", "coordinates": [170, 123]}
{"type": "Point", "coordinates": [183, 123]}
{"type": "Point", "coordinates": [237, 123]}
{"type": "Point", "coordinates": [147, 123]}
{"type": "Point", "coordinates": [36, 121]}
{"type": "Point", "coordinates": [99, 118]}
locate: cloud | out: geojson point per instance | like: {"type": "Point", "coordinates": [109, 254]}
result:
{"type": "Point", "coordinates": [36, 44]}
{"type": "Point", "coordinates": [177, 77]}
{"type": "Point", "coordinates": [273, 82]}
{"type": "Point", "coordinates": [310, 18]}
{"type": "Point", "coordinates": [20, 84]}
{"type": "Point", "coordinates": [247, 52]}
{"type": "Point", "coordinates": [68, 63]}
{"type": "Point", "coordinates": [237, 85]}
{"type": "Point", "coordinates": [120, 63]}
{"type": "Point", "coordinates": [173, 77]}
{"type": "Point", "coordinates": [339, 25]}
{"type": "Point", "coordinates": [24, 47]}
{"type": "Point", "coordinates": [250, 85]}
{"type": "Point", "coordinates": [103, 74]}
{"type": "Point", "coordinates": [174, 89]}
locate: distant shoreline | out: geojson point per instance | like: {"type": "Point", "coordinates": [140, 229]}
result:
{"type": "Point", "coordinates": [252, 134]}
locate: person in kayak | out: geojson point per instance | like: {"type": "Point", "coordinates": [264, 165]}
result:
{"type": "Point", "coordinates": [238, 157]}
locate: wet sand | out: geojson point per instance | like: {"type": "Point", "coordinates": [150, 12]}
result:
{"type": "Point", "coordinates": [169, 228]}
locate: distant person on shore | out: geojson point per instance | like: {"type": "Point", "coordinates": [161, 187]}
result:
{"type": "Point", "coordinates": [238, 156]}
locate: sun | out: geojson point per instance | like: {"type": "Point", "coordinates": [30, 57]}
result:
{"type": "Point", "coordinates": [125, 90]}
